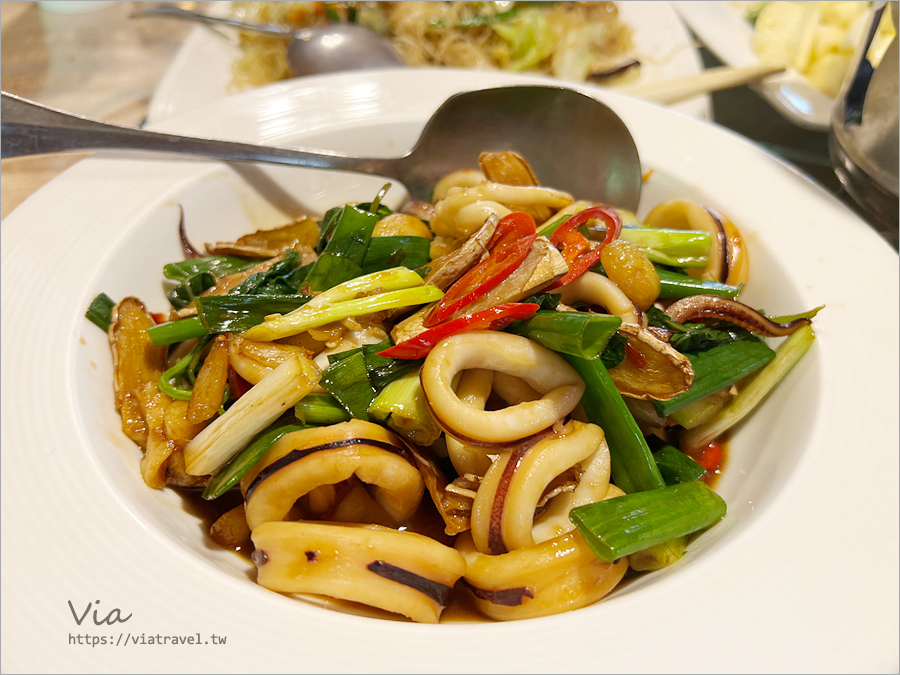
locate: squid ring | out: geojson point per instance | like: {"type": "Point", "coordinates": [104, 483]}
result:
{"type": "Point", "coordinates": [599, 290]}
{"type": "Point", "coordinates": [474, 388]}
{"type": "Point", "coordinates": [559, 384]}
{"type": "Point", "coordinates": [303, 461]}
{"type": "Point", "coordinates": [503, 512]}
{"type": "Point", "coordinates": [554, 576]}
{"type": "Point", "coordinates": [398, 571]}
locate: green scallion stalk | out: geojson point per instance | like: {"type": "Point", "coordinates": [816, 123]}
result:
{"type": "Point", "coordinates": [392, 279]}
{"type": "Point", "coordinates": [786, 318]}
{"type": "Point", "coordinates": [674, 286]}
{"type": "Point", "coordinates": [402, 405]}
{"type": "Point", "coordinates": [717, 368]}
{"type": "Point", "coordinates": [320, 410]}
{"type": "Point", "coordinates": [633, 468]}
{"type": "Point", "coordinates": [675, 248]}
{"type": "Point", "coordinates": [787, 355]}
{"type": "Point", "coordinates": [575, 333]}
{"type": "Point", "coordinates": [99, 312]}
{"type": "Point", "coordinates": [182, 369]}
{"type": "Point", "coordinates": [173, 332]}
{"type": "Point", "coordinates": [658, 556]}
{"type": "Point", "coordinates": [700, 411]}
{"type": "Point", "coordinates": [312, 317]}
{"type": "Point", "coordinates": [675, 466]}
{"type": "Point", "coordinates": [232, 472]}
{"type": "Point", "coordinates": [621, 526]}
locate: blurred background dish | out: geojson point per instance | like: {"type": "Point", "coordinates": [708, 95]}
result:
{"type": "Point", "coordinates": [815, 41]}
{"type": "Point", "coordinates": [212, 64]}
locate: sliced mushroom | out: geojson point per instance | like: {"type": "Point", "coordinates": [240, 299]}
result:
{"type": "Point", "coordinates": [420, 209]}
{"type": "Point", "coordinates": [450, 267]}
{"type": "Point", "coordinates": [302, 233]}
{"type": "Point", "coordinates": [136, 362]}
{"type": "Point", "coordinates": [209, 389]}
{"type": "Point", "coordinates": [543, 265]}
{"type": "Point", "coordinates": [653, 369]}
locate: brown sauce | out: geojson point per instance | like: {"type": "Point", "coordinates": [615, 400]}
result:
{"type": "Point", "coordinates": [461, 607]}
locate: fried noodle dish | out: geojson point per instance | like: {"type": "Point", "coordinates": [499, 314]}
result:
{"type": "Point", "coordinates": [504, 398]}
{"type": "Point", "coordinates": [575, 41]}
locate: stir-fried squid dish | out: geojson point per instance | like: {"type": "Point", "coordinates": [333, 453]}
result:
{"type": "Point", "coordinates": [574, 41]}
{"type": "Point", "coordinates": [505, 398]}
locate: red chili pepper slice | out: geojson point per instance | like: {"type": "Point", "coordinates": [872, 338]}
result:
{"type": "Point", "coordinates": [493, 318]}
{"type": "Point", "coordinates": [237, 384]}
{"type": "Point", "coordinates": [509, 246]}
{"type": "Point", "coordinates": [708, 457]}
{"type": "Point", "coordinates": [577, 251]}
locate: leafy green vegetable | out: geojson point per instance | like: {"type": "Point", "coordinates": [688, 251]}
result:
{"type": "Point", "coordinates": [386, 252]}
{"type": "Point", "coordinates": [696, 337]}
{"type": "Point", "coordinates": [675, 466]}
{"type": "Point", "coordinates": [184, 370]}
{"type": "Point", "coordinates": [217, 265]}
{"type": "Point", "coordinates": [381, 369]}
{"type": "Point", "coordinates": [717, 368]}
{"type": "Point", "coordinates": [614, 352]}
{"type": "Point", "coordinates": [776, 369]}
{"type": "Point", "coordinates": [344, 240]}
{"type": "Point", "coordinates": [530, 38]}
{"type": "Point", "coordinates": [284, 277]}
{"type": "Point", "coordinates": [184, 294]}
{"type": "Point", "coordinates": [347, 380]}
{"type": "Point", "coordinates": [238, 313]}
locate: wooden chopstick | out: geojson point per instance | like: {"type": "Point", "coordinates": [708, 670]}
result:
{"type": "Point", "coordinates": [711, 79]}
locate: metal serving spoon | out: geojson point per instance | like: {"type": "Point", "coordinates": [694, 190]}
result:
{"type": "Point", "coordinates": [572, 141]}
{"type": "Point", "coordinates": [317, 49]}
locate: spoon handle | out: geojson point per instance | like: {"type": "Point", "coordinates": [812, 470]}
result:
{"type": "Point", "coordinates": [171, 12]}
{"type": "Point", "coordinates": [29, 128]}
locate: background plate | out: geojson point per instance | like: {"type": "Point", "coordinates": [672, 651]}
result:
{"type": "Point", "coordinates": [723, 28]}
{"type": "Point", "coordinates": [201, 71]}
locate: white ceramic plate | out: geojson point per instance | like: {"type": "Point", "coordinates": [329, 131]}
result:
{"type": "Point", "coordinates": [201, 71]}
{"type": "Point", "coordinates": [801, 576]}
{"type": "Point", "coordinates": [723, 28]}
